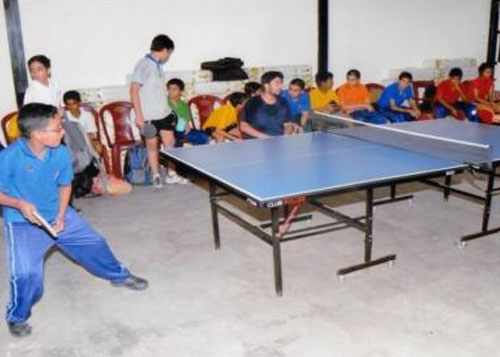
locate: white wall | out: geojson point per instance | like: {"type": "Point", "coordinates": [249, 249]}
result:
{"type": "Point", "coordinates": [7, 93]}
{"type": "Point", "coordinates": [378, 35]}
{"type": "Point", "coordinates": [97, 42]}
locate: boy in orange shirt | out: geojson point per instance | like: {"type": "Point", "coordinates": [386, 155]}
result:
{"type": "Point", "coordinates": [354, 99]}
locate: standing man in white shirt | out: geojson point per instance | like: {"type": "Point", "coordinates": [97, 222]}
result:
{"type": "Point", "coordinates": [149, 99]}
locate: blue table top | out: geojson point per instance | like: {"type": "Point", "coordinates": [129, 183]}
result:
{"type": "Point", "coordinates": [458, 130]}
{"type": "Point", "coordinates": [288, 166]}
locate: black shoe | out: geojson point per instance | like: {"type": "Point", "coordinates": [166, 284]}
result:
{"type": "Point", "coordinates": [132, 282]}
{"type": "Point", "coordinates": [19, 329]}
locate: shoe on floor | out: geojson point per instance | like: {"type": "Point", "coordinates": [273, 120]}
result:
{"type": "Point", "coordinates": [132, 282]}
{"type": "Point", "coordinates": [157, 184]}
{"type": "Point", "coordinates": [19, 329]}
{"type": "Point", "coordinates": [173, 178]}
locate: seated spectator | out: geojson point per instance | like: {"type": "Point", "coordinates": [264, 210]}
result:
{"type": "Point", "coordinates": [298, 102]}
{"type": "Point", "coordinates": [451, 98]}
{"type": "Point", "coordinates": [397, 102]}
{"type": "Point", "coordinates": [481, 92]}
{"type": "Point", "coordinates": [355, 100]}
{"type": "Point", "coordinates": [74, 112]}
{"type": "Point", "coordinates": [323, 97]}
{"type": "Point", "coordinates": [183, 129]}
{"type": "Point", "coordinates": [268, 114]}
{"type": "Point", "coordinates": [222, 123]}
{"type": "Point", "coordinates": [252, 89]}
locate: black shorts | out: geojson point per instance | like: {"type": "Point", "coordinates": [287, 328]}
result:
{"type": "Point", "coordinates": [227, 129]}
{"type": "Point", "coordinates": [152, 128]}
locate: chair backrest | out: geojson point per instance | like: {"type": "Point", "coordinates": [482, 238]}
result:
{"type": "Point", "coordinates": [7, 129]}
{"type": "Point", "coordinates": [204, 105]}
{"type": "Point", "coordinates": [90, 108]}
{"type": "Point", "coordinates": [226, 98]}
{"type": "Point", "coordinates": [466, 84]}
{"type": "Point", "coordinates": [419, 88]}
{"type": "Point", "coordinates": [121, 120]}
{"type": "Point", "coordinates": [375, 90]}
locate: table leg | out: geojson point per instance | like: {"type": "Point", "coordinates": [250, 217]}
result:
{"type": "Point", "coordinates": [215, 215]}
{"type": "Point", "coordinates": [278, 279]}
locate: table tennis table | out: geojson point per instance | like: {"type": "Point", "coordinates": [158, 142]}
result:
{"type": "Point", "coordinates": [281, 174]}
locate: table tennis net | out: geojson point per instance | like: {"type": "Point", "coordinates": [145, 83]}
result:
{"type": "Point", "coordinates": [390, 135]}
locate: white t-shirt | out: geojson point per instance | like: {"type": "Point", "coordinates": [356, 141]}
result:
{"type": "Point", "coordinates": [86, 120]}
{"type": "Point", "coordinates": [39, 93]}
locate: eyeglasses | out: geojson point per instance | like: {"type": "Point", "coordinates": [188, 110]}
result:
{"type": "Point", "coordinates": [57, 131]}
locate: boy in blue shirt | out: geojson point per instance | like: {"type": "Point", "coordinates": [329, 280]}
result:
{"type": "Point", "coordinates": [35, 181]}
{"type": "Point", "coordinates": [394, 96]}
{"type": "Point", "coordinates": [298, 101]}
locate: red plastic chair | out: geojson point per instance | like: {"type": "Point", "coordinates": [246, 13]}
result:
{"type": "Point", "coordinates": [419, 88]}
{"type": "Point", "coordinates": [5, 125]}
{"type": "Point", "coordinates": [205, 104]}
{"type": "Point", "coordinates": [104, 154]}
{"type": "Point", "coordinates": [375, 90]}
{"type": "Point", "coordinates": [124, 135]}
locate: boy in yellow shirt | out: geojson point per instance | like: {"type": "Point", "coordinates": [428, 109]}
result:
{"type": "Point", "coordinates": [223, 122]}
{"type": "Point", "coordinates": [323, 97]}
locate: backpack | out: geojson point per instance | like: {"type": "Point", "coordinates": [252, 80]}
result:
{"type": "Point", "coordinates": [137, 170]}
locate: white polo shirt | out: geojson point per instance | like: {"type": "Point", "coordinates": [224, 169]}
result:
{"type": "Point", "coordinates": [39, 93]}
{"type": "Point", "coordinates": [86, 120]}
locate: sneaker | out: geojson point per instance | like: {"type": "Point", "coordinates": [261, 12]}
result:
{"type": "Point", "coordinates": [19, 329]}
{"type": "Point", "coordinates": [132, 282]}
{"type": "Point", "coordinates": [157, 184]}
{"type": "Point", "coordinates": [172, 178]}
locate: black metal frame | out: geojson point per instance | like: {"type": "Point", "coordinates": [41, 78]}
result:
{"type": "Point", "coordinates": [218, 191]}
{"type": "Point", "coordinates": [485, 199]}
{"type": "Point", "coordinates": [492, 56]}
{"type": "Point", "coordinates": [16, 48]}
{"type": "Point", "coordinates": [273, 238]}
{"type": "Point", "coordinates": [323, 20]}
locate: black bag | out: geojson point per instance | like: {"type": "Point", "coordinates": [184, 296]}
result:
{"type": "Point", "coordinates": [83, 181]}
{"type": "Point", "coordinates": [226, 69]}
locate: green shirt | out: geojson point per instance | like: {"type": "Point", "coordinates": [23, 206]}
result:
{"type": "Point", "coordinates": [182, 111]}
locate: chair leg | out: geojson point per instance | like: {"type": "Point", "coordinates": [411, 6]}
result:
{"type": "Point", "coordinates": [116, 162]}
{"type": "Point", "coordinates": [105, 159]}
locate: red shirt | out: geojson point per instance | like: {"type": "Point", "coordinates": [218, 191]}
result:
{"type": "Point", "coordinates": [447, 91]}
{"type": "Point", "coordinates": [483, 85]}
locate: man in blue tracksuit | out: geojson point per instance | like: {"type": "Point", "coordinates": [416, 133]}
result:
{"type": "Point", "coordinates": [35, 178]}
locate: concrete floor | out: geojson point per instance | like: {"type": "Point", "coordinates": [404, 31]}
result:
{"type": "Point", "coordinates": [438, 300]}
